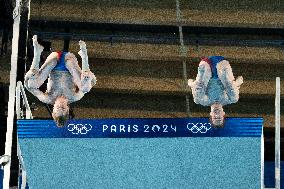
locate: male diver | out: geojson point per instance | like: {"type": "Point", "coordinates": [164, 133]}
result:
{"type": "Point", "coordinates": [215, 86]}
{"type": "Point", "coordinates": [67, 83]}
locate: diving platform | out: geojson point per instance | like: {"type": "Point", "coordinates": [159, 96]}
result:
{"type": "Point", "coordinates": [143, 153]}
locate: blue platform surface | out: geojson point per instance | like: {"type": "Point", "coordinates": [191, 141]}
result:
{"type": "Point", "coordinates": [140, 128]}
{"type": "Point", "coordinates": [116, 160]}
{"type": "Point", "coordinates": [1, 177]}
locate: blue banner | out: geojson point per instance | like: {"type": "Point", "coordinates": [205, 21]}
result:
{"type": "Point", "coordinates": [140, 128]}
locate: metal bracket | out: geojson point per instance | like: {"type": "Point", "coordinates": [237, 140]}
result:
{"type": "Point", "coordinates": [17, 9]}
{"type": "Point", "coordinates": [16, 12]}
{"type": "Point", "coordinates": [4, 160]}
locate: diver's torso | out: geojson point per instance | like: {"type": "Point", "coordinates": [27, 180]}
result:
{"type": "Point", "coordinates": [60, 83]}
{"type": "Point", "coordinates": [215, 91]}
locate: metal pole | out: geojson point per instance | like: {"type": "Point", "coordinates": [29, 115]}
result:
{"type": "Point", "coordinates": [262, 161]}
{"type": "Point", "coordinates": [183, 55]}
{"type": "Point", "coordinates": [22, 52]}
{"type": "Point", "coordinates": [12, 89]}
{"type": "Point", "coordinates": [277, 134]}
{"type": "Point", "coordinates": [18, 102]}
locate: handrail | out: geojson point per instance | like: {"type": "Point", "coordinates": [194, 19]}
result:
{"type": "Point", "coordinates": [20, 91]}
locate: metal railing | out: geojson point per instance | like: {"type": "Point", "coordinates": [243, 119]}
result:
{"type": "Point", "coordinates": [12, 88]}
{"type": "Point", "coordinates": [21, 103]}
{"type": "Point", "coordinates": [20, 92]}
{"type": "Point", "coordinates": [277, 135]}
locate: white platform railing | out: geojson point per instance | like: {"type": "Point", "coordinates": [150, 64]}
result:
{"type": "Point", "coordinates": [20, 92]}
{"type": "Point", "coordinates": [12, 88]}
{"type": "Point", "coordinates": [23, 111]}
{"type": "Point", "coordinates": [277, 134]}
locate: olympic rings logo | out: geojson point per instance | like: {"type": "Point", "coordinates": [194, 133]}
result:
{"type": "Point", "coordinates": [199, 127]}
{"type": "Point", "coordinates": [79, 128]}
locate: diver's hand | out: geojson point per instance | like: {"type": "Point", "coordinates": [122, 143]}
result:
{"type": "Point", "coordinates": [190, 82]}
{"type": "Point", "coordinates": [239, 80]}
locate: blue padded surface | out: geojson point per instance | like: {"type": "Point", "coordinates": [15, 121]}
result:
{"type": "Point", "coordinates": [140, 128]}
{"type": "Point", "coordinates": [156, 162]}
{"type": "Point", "coordinates": [1, 177]}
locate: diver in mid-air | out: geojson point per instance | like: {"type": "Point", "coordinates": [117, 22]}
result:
{"type": "Point", "coordinates": [215, 86]}
{"type": "Point", "coordinates": [67, 82]}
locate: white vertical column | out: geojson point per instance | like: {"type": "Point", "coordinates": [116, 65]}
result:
{"type": "Point", "coordinates": [12, 89]}
{"type": "Point", "coordinates": [183, 54]}
{"type": "Point", "coordinates": [18, 102]}
{"type": "Point", "coordinates": [277, 134]}
{"type": "Point", "coordinates": [262, 160]}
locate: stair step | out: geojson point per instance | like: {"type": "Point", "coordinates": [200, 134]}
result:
{"type": "Point", "coordinates": [167, 52]}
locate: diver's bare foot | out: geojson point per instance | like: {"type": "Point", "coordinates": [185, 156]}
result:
{"type": "Point", "coordinates": [83, 49]}
{"type": "Point", "coordinates": [190, 82]}
{"type": "Point", "coordinates": [37, 47]}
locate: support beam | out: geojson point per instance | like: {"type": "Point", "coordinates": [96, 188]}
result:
{"type": "Point", "coordinates": [12, 90]}
{"type": "Point", "coordinates": [183, 54]}
{"type": "Point", "coordinates": [165, 38]}
{"type": "Point", "coordinates": [23, 35]}
{"type": "Point", "coordinates": [277, 134]}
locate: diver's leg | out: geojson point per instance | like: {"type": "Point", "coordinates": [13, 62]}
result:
{"type": "Point", "coordinates": [84, 79]}
{"type": "Point", "coordinates": [37, 53]}
{"type": "Point", "coordinates": [73, 67]}
{"type": "Point", "coordinates": [203, 76]}
{"type": "Point", "coordinates": [88, 79]}
{"type": "Point", "coordinates": [36, 76]}
{"type": "Point", "coordinates": [204, 73]}
{"type": "Point", "coordinates": [227, 78]}
{"type": "Point", "coordinates": [199, 86]}
{"type": "Point", "coordinates": [225, 72]}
